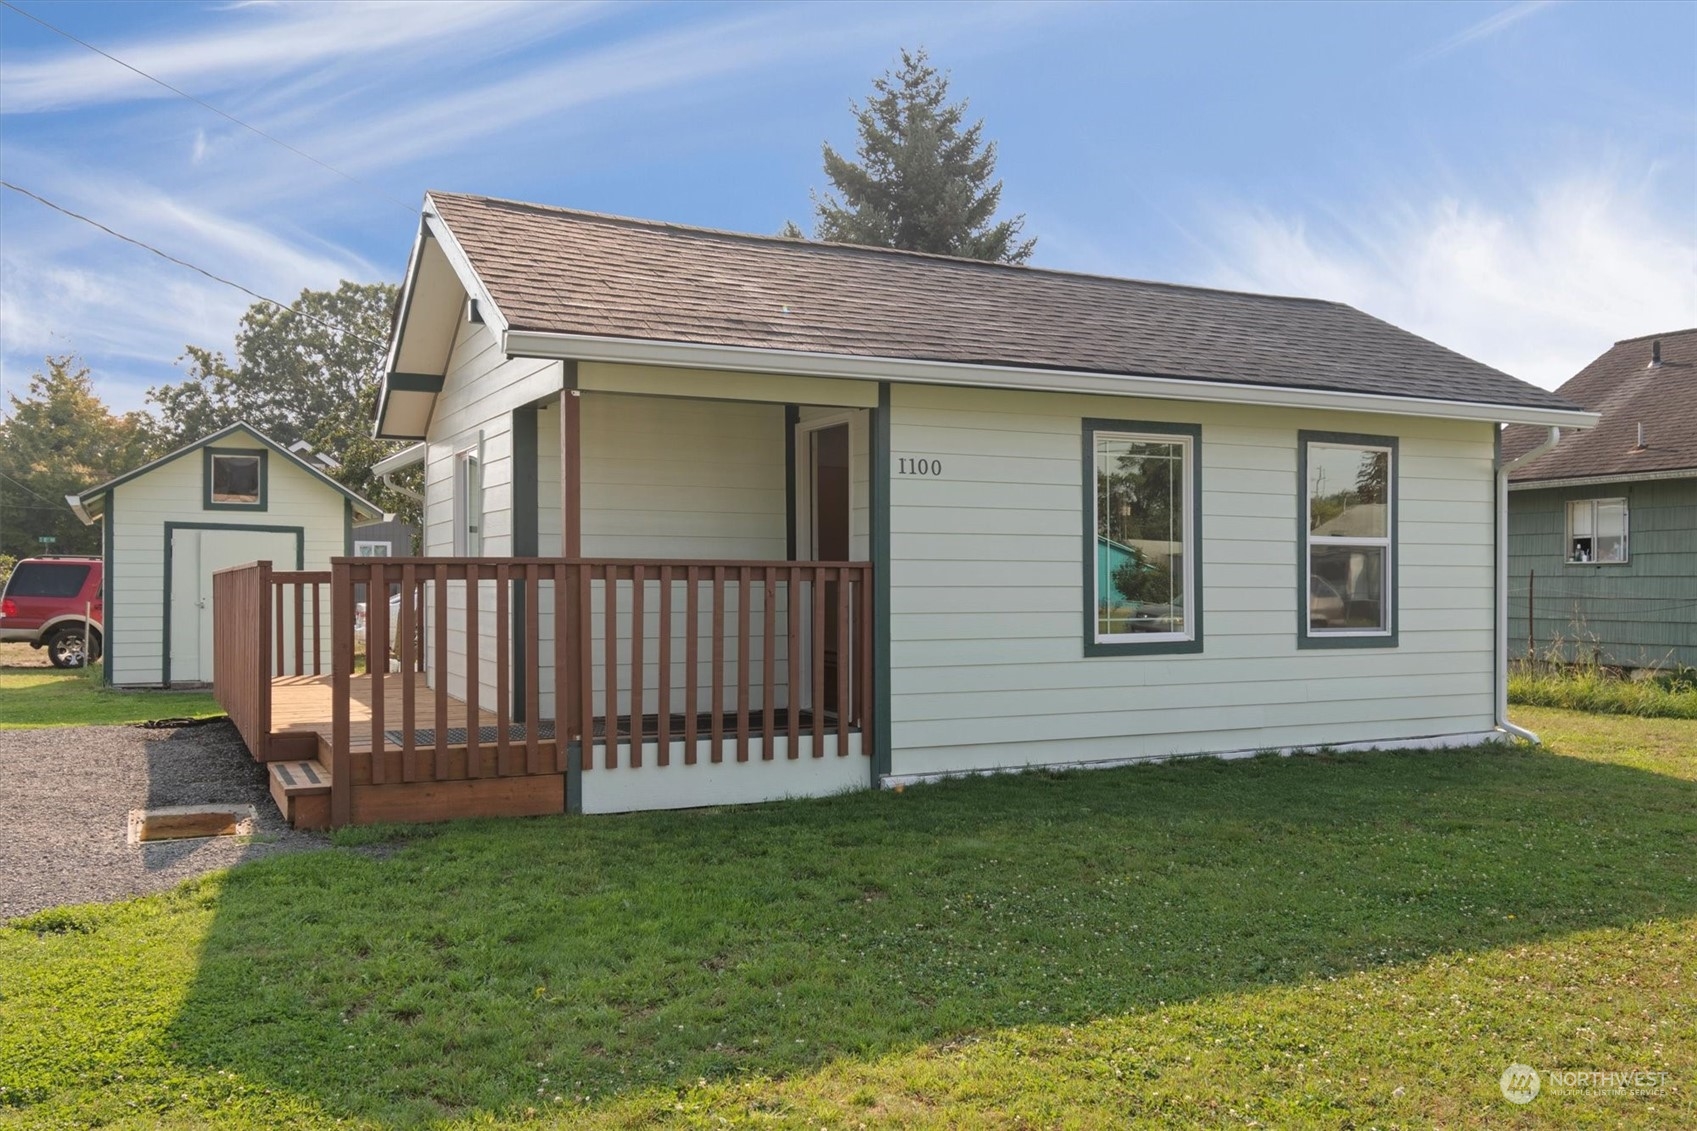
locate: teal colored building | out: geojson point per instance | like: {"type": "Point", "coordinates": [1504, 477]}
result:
{"type": "Point", "coordinates": [1602, 548]}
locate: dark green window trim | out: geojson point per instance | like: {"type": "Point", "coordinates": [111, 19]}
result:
{"type": "Point", "coordinates": [526, 542]}
{"type": "Point", "coordinates": [264, 456]}
{"type": "Point", "coordinates": [1193, 600]}
{"type": "Point", "coordinates": [878, 482]}
{"type": "Point", "coordinates": [1306, 637]}
{"type": "Point", "coordinates": [171, 529]}
{"type": "Point", "coordinates": [108, 543]}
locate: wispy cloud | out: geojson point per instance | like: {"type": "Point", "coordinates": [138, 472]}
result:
{"type": "Point", "coordinates": [259, 42]}
{"type": "Point", "coordinates": [1536, 291]}
{"type": "Point", "coordinates": [1494, 24]}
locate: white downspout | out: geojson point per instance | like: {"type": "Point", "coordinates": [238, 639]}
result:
{"type": "Point", "coordinates": [1502, 582]}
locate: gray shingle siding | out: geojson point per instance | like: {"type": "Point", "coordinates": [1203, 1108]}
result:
{"type": "Point", "coordinates": [1639, 614]}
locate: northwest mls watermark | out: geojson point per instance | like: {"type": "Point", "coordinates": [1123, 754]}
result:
{"type": "Point", "coordinates": [1521, 1083]}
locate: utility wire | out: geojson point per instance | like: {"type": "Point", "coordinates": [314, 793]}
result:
{"type": "Point", "coordinates": [349, 177]}
{"type": "Point", "coordinates": [332, 327]}
{"type": "Point", "coordinates": [27, 490]}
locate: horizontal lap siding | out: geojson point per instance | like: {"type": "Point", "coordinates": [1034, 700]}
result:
{"type": "Point", "coordinates": [675, 478]}
{"type": "Point", "coordinates": [174, 493]}
{"type": "Point", "coordinates": [987, 601]}
{"type": "Point", "coordinates": [479, 394]}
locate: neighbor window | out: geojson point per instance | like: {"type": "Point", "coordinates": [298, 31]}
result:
{"type": "Point", "coordinates": [235, 479]}
{"type": "Point", "coordinates": [371, 549]}
{"type": "Point", "coordinates": [1596, 531]}
{"type": "Point", "coordinates": [1349, 547]}
{"type": "Point", "coordinates": [1144, 533]}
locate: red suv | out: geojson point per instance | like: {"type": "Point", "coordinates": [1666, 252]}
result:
{"type": "Point", "coordinates": [55, 603]}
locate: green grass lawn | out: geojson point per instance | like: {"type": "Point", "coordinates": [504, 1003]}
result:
{"type": "Point", "coordinates": [1361, 940]}
{"type": "Point", "coordinates": [51, 697]}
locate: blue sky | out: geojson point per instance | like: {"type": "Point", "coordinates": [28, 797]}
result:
{"type": "Point", "coordinates": [1517, 181]}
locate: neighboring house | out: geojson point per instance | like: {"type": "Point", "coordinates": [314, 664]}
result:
{"type": "Point", "coordinates": [1603, 528]}
{"type": "Point", "coordinates": [230, 498]}
{"type": "Point", "coordinates": [714, 517]}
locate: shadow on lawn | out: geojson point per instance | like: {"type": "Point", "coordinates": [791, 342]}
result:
{"type": "Point", "coordinates": [472, 968]}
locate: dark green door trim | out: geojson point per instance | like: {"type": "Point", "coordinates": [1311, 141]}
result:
{"type": "Point", "coordinates": [878, 480]}
{"type": "Point", "coordinates": [792, 417]}
{"type": "Point", "coordinates": [171, 529]}
{"type": "Point", "coordinates": [525, 540]}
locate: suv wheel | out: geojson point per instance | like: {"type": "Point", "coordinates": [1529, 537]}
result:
{"type": "Point", "coordinates": [66, 648]}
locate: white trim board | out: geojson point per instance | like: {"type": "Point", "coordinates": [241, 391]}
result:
{"type": "Point", "coordinates": [1427, 742]}
{"type": "Point", "coordinates": [748, 359]}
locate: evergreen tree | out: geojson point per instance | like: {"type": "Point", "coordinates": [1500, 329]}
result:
{"type": "Point", "coordinates": [922, 181]}
{"type": "Point", "coordinates": [60, 439]}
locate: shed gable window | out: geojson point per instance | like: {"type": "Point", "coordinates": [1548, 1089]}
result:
{"type": "Point", "coordinates": [1348, 539]}
{"type": "Point", "coordinates": [235, 480]}
{"type": "Point", "coordinates": [1142, 591]}
{"type": "Point", "coordinates": [1596, 531]}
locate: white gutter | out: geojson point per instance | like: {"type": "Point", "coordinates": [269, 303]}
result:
{"type": "Point", "coordinates": [79, 510]}
{"type": "Point", "coordinates": [1603, 480]}
{"type": "Point", "coordinates": [749, 359]}
{"type": "Point", "coordinates": [1503, 469]}
{"type": "Point", "coordinates": [400, 461]}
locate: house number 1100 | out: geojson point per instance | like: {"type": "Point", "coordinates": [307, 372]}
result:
{"type": "Point", "coordinates": [906, 466]}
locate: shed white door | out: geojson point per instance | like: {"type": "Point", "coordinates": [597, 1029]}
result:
{"type": "Point", "coordinates": [195, 556]}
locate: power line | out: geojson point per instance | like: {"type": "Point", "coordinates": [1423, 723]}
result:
{"type": "Point", "coordinates": [349, 177]}
{"type": "Point", "coordinates": [27, 490]}
{"type": "Point", "coordinates": [185, 263]}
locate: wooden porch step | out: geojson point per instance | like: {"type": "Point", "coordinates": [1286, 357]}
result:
{"type": "Point", "coordinates": [302, 793]}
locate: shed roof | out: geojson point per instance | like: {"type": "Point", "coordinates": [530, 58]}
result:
{"type": "Point", "coordinates": [1628, 391]}
{"type": "Point", "coordinates": [557, 270]}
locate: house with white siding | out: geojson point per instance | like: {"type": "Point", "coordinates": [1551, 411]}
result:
{"type": "Point", "coordinates": [713, 517]}
{"type": "Point", "coordinates": [232, 497]}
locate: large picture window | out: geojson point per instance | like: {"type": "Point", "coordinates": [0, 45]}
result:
{"type": "Point", "coordinates": [1142, 588]}
{"type": "Point", "coordinates": [1348, 539]}
{"type": "Point", "coordinates": [1596, 531]}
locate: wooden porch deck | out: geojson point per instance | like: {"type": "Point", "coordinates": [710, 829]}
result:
{"type": "Point", "coordinates": [304, 704]}
{"type": "Point", "coordinates": [301, 705]}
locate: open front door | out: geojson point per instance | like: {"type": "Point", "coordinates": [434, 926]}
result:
{"type": "Point", "coordinates": [828, 462]}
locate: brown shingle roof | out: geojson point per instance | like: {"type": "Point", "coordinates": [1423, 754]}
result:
{"type": "Point", "coordinates": [555, 270]}
{"type": "Point", "coordinates": [1621, 386]}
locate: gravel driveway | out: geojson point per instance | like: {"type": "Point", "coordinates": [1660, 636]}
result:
{"type": "Point", "coordinates": [65, 798]}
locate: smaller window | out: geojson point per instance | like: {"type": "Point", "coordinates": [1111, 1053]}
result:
{"type": "Point", "coordinates": [1348, 540]}
{"type": "Point", "coordinates": [1596, 531]}
{"type": "Point", "coordinates": [236, 479]}
{"type": "Point", "coordinates": [371, 549]}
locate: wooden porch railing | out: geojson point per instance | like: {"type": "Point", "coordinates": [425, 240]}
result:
{"type": "Point", "coordinates": [241, 643]}
{"type": "Point", "coordinates": [496, 667]}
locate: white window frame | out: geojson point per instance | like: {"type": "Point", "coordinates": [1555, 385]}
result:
{"type": "Point", "coordinates": [1625, 530]}
{"type": "Point", "coordinates": [363, 549]}
{"type": "Point", "coordinates": [468, 503]}
{"type": "Point", "coordinates": [1099, 642]}
{"type": "Point", "coordinates": [1387, 577]}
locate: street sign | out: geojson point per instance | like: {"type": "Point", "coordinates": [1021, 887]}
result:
{"type": "Point", "coordinates": [47, 539]}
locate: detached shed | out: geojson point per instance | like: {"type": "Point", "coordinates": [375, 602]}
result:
{"type": "Point", "coordinates": [235, 496]}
